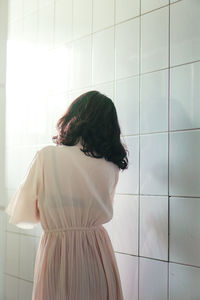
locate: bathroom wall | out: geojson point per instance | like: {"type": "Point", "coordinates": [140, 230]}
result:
{"type": "Point", "coordinates": [3, 36]}
{"type": "Point", "coordinates": [145, 55]}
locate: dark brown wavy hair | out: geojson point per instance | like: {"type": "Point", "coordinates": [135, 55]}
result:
{"type": "Point", "coordinates": [92, 119]}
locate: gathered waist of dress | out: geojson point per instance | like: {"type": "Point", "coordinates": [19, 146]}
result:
{"type": "Point", "coordinates": [82, 228]}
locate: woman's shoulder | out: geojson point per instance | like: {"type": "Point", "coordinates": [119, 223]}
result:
{"type": "Point", "coordinates": [46, 148]}
{"type": "Point", "coordinates": [49, 149]}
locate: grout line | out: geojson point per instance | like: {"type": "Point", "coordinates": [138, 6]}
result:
{"type": "Point", "coordinates": [54, 22]}
{"type": "Point", "coordinates": [140, 59]}
{"type": "Point", "coordinates": [18, 277]}
{"type": "Point", "coordinates": [19, 256]}
{"type": "Point", "coordinates": [5, 248]}
{"type": "Point", "coordinates": [72, 21]}
{"type": "Point", "coordinates": [183, 264]}
{"type": "Point", "coordinates": [160, 260]}
{"type": "Point", "coordinates": [153, 195]}
{"type": "Point", "coordinates": [37, 24]}
{"type": "Point", "coordinates": [24, 234]}
{"type": "Point", "coordinates": [153, 10]}
{"type": "Point", "coordinates": [168, 272]}
{"type": "Point", "coordinates": [187, 63]}
{"type": "Point", "coordinates": [71, 43]}
{"type": "Point", "coordinates": [92, 46]}
{"type": "Point", "coordinates": [162, 132]}
{"type": "Point", "coordinates": [115, 56]}
{"type": "Point", "coordinates": [175, 2]}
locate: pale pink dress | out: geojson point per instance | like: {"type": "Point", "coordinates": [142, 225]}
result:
{"type": "Point", "coordinates": [71, 195]}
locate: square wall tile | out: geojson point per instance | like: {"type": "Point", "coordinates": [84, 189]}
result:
{"type": "Point", "coordinates": [154, 164]}
{"type": "Point", "coordinates": [35, 122]}
{"type": "Point", "coordinates": [185, 32]}
{"type": "Point", "coordinates": [16, 167]}
{"type": "Point", "coordinates": [57, 104]}
{"type": "Point", "coordinates": [45, 26]}
{"type": "Point", "coordinates": [82, 18]}
{"type": "Point", "coordinates": [12, 257]}
{"type": "Point", "coordinates": [29, 6]}
{"type": "Point", "coordinates": [127, 105]}
{"type": "Point", "coordinates": [184, 97]}
{"type": "Point", "coordinates": [27, 257]}
{"type": "Point", "coordinates": [110, 228]}
{"type": "Point", "coordinates": [29, 84]}
{"type": "Point", "coordinates": [15, 10]}
{"type": "Point", "coordinates": [63, 22]}
{"type": "Point", "coordinates": [103, 56]}
{"type": "Point", "coordinates": [106, 89]}
{"type": "Point", "coordinates": [154, 102]}
{"type": "Point", "coordinates": [43, 3]}
{"type": "Point", "coordinates": [36, 231]}
{"type": "Point", "coordinates": [129, 179]}
{"type": "Point", "coordinates": [37, 243]}
{"type": "Point", "coordinates": [25, 290]}
{"type": "Point", "coordinates": [183, 282]}
{"type": "Point", "coordinates": [127, 48]}
{"type": "Point", "coordinates": [148, 5]}
{"type": "Point", "coordinates": [60, 78]}
{"type": "Point", "coordinates": [154, 40]}
{"type": "Point", "coordinates": [11, 288]}
{"type": "Point", "coordinates": [127, 9]}
{"type": "Point", "coordinates": [128, 269]}
{"type": "Point", "coordinates": [82, 63]}
{"type": "Point", "coordinates": [153, 279]}
{"type": "Point", "coordinates": [125, 224]}
{"type": "Point", "coordinates": [10, 227]}
{"type": "Point", "coordinates": [30, 30]}
{"type": "Point", "coordinates": [14, 58]}
{"type": "Point", "coordinates": [154, 227]}
{"type": "Point", "coordinates": [103, 14]}
{"type": "Point", "coordinates": [185, 230]}
{"type": "Point", "coordinates": [184, 179]}
{"type": "Point", "coordinates": [76, 93]}
{"type": "Point", "coordinates": [15, 33]}
{"type": "Point", "coordinates": [17, 96]}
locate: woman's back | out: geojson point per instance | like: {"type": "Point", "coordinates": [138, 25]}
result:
{"type": "Point", "coordinates": [77, 189]}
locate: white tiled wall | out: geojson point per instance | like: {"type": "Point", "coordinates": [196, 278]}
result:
{"type": "Point", "coordinates": [145, 55]}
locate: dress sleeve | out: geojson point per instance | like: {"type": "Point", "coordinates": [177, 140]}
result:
{"type": "Point", "coordinates": [114, 187]}
{"type": "Point", "coordinates": [23, 207]}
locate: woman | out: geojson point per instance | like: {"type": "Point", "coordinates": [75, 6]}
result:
{"type": "Point", "coordinates": [69, 189]}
